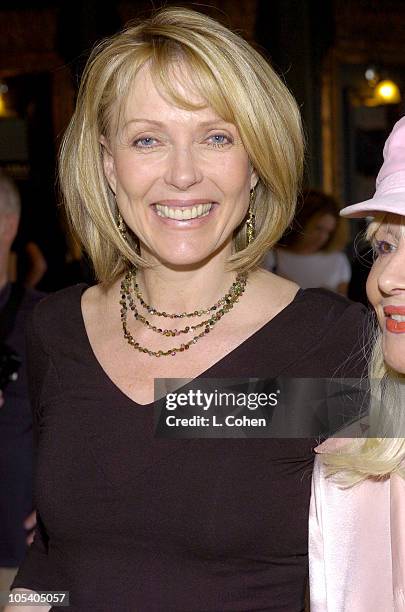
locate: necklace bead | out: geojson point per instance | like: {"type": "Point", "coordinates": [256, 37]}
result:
{"type": "Point", "coordinates": [126, 302]}
{"type": "Point", "coordinates": [235, 288]}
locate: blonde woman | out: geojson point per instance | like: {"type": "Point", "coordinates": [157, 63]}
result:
{"type": "Point", "coordinates": [357, 516]}
{"type": "Point", "coordinates": [179, 170]}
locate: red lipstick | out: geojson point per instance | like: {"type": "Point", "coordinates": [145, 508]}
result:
{"type": "Point", "coordinates": [395, 327]}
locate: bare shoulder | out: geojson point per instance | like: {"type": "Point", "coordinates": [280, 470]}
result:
{"type": "Point", "coordinates": [97, 297]}
{"type": "Point", "coordinates": [92, 297]}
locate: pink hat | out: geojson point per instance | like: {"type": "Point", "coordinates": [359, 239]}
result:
{"type": "Point", "coordinates": [390, 184]}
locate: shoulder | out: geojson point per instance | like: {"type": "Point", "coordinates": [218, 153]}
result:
{"type": "Point", "coordinates": [330, 306]}
{"type": "Point", "coordinates": [339, 328]}
{"type": "Point", "coordinates": [56, 309]}
{"type": "Point", "coordinates": [320, 309]}
{"type": "Point", "coordinates": [331, 445]}
{"type": "Point", "coordinates": [32, 297]}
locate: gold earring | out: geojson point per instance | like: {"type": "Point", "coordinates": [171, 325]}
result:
{"type": "Point", "coordinates": [250, 223]}
{"type": "Point", "coordinates": [121, 226]}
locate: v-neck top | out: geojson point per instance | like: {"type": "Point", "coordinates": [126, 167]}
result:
{"type": "Point", "coordinates": [131, 522]}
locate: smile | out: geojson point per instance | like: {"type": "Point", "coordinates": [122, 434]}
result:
{"type": "Point", "coordinates": [395, 319]}
{"type": "Point", "coordinates": [183, 213]}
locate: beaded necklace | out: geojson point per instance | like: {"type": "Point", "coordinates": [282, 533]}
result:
{"type": "Point", "coordinates": [216, 312]}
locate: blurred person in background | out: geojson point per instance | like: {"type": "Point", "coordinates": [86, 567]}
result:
{"type": "Point", "coordinates": [311, 252]}
{"type": "Point", "coordinates": [27, 262]}
{"type": "Point", "coordinates": [17, 517]}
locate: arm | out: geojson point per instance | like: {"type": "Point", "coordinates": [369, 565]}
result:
{"type": "Point", "coordinates": [35, 572]}
{"type": "Point", "coordinates": [317, 577]}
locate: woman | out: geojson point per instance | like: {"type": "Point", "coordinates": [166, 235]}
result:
{"type": "Point", "coordinates": [311, 251]}
{"type": "Point", "coordinates": [164, 168]}
{"type": "Point", "coordinates": [357, 546]}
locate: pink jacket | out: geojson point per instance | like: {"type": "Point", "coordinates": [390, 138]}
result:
{"type": "Point", "coordinates": [356, 543]}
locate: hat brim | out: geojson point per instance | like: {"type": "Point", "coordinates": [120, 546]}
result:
{"type": "Point", "coordinates": [391, 203]}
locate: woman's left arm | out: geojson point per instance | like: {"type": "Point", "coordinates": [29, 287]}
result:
{"type": "Point", "coordinates": [317, 577]}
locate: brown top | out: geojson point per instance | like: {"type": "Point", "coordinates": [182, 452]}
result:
{"type": "Point", "coordinates": [132, 522]}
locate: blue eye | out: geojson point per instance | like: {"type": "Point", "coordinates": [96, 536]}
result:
{"type": "Point", "coordinates": [382, 247]}
{"type": "Point", "coordinates": [147, 142]}
{"type": "Point", "coordinates": [219, 140]}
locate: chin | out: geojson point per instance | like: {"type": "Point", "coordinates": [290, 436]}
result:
{"type": "Point", "coordinates": [187, 254]}
{"type": "Point", "coordinates": [394, 354]}
{"type": "Point", "coordinates": [185, 259]}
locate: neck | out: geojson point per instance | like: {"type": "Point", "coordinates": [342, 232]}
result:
{"type": "Point", "coordinates": [185, 290]}
{"type": "Point", "coordinates": [300, 249]}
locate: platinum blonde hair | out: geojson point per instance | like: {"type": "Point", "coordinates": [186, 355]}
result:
{"type": "Point", "coordinates": [232, 78]}
{"type": "Point", "coordinates": [383, 452]}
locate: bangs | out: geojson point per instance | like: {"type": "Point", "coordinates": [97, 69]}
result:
{"type": "Point", "coordinates": [180, 75]}
{"type": "Point", "coordinates": [179, 71]}
{"type": "Point", "coordinates": [395, 229]}
{"type": "Point", "coordinates": [374, 226]}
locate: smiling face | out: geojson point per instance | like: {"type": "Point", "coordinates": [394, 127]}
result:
{"type": "Point", "coordinates": [386, 288]}
{"type": "Point", "coordinates": [181, 177]}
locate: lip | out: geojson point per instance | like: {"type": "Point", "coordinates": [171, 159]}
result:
{"type": "Point", "coordinates": [394, 327]}
{"type": "Point", "coordinates": [390, 310]}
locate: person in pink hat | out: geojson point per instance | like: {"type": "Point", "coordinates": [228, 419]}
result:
{"type": "Point", "coordinates": [357, 513]}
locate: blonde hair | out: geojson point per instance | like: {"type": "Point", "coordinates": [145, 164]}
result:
{"type": "Point", "coordinates": [229, 75]}
{"type": "Point", "coordinates": [375, 457]}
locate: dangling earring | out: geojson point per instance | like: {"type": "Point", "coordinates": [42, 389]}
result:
{"type": "Point", "coordinates": [250, 223]}
{"type": "Point", "coordinates": [121, 226]}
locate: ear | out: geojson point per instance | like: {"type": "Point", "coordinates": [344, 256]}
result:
{"type": "Point", "coordinates": [254, 178]}
{"type": "Point", "coordinates": [108, 163]}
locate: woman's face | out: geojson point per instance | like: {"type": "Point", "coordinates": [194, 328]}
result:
{"type": "Point", "coordinates": [386, 288]}
{"type": "Point", "coordinates": [181, 178]}
{"type": "Point", "coordinates": [317, 232]}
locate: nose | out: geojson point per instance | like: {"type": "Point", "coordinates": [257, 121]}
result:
{"type": "Point", "coordinates": [183, 170]}
{"type": "Point", "coordinates": [391, 279]}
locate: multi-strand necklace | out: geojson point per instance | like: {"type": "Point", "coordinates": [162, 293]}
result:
{"type": "Point", "coordinates": [130, 291]}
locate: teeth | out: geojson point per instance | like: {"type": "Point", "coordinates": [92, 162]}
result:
{"type": "Point", "coordinates": [399, 318]}
{"type": "Point", "coordinates": [180, 214]}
